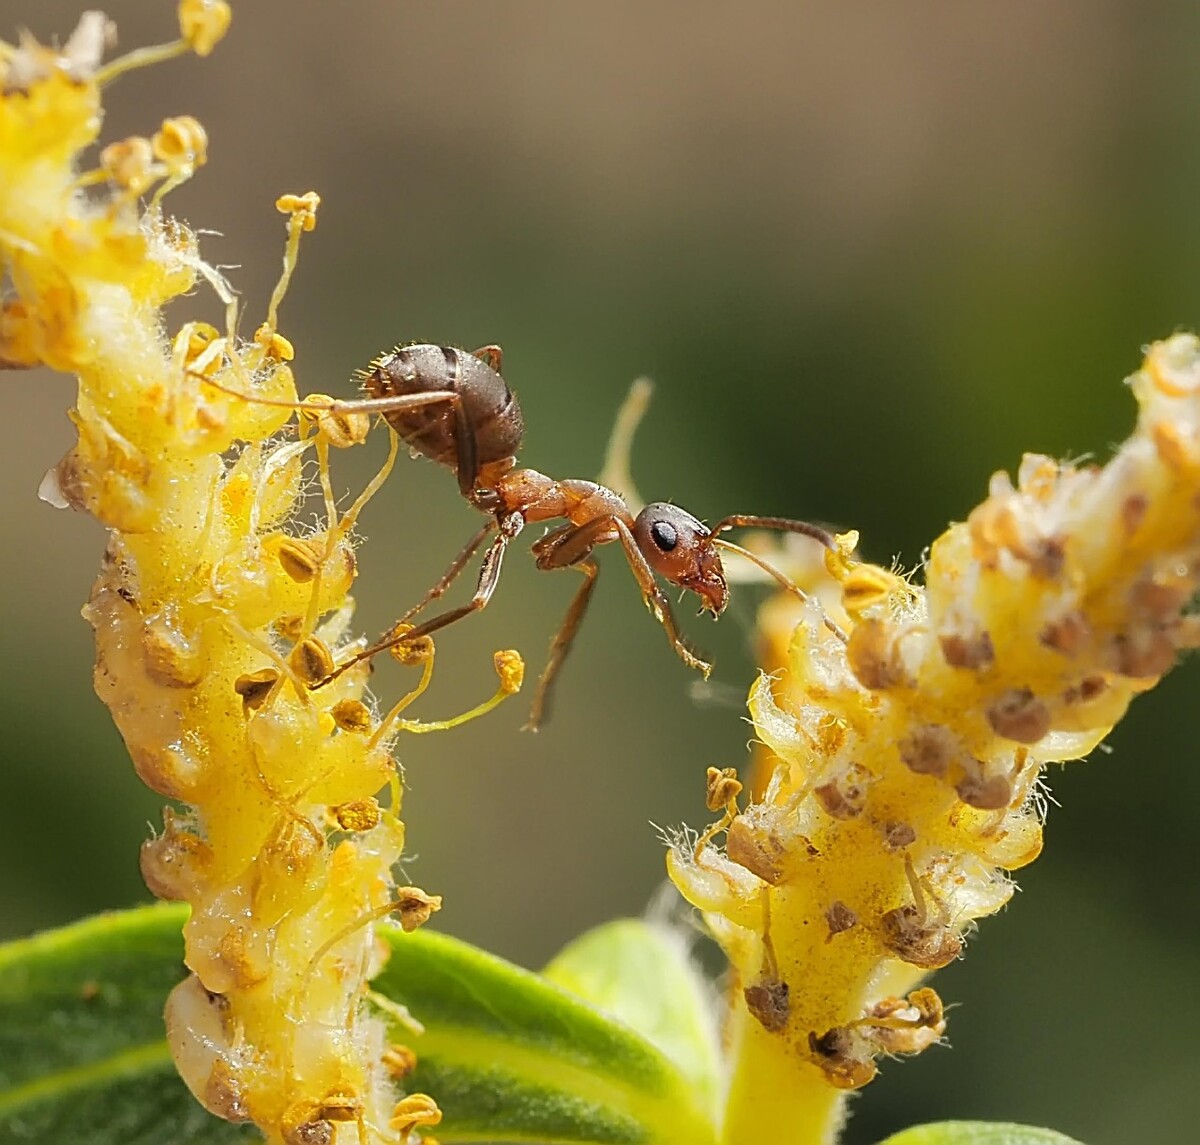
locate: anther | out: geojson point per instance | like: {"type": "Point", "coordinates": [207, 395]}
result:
{"type": "Point", "coordinates": [312, 661]}
{"type": "Point", "coordinates": [722, 787]}
{"type": "Point", "coordinates": [181, 144]}
{"type": "Point", "coordinates": [358, 815]}
{"type": "Point", "coordinates": [299, 559]}
{"type": "Point", "coordinates": [410, 653]}
{"type": "Point", "coordinates": [413, 1112]}
{"type": "Point", "coordinates": [254, 687]}
{"type": "Point", "coordinates": [510, 668]}
{"type": "Point", "coordinates": [352, 716]}
{"type": "Point", "coordinates": [415, 907]}
{"type": "Point", "coordinates": [399, 1061]}
{"type": "Point", "coordinates": [203, 23]}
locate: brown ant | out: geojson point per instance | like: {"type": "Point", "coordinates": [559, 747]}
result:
{"type": "Point", "coordinates": [454, 407]}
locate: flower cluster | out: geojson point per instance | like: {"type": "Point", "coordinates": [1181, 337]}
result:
{"type": "Point", "coordinates": [907, 729]}
{"type": "Point", "coordinates": [219, 622]}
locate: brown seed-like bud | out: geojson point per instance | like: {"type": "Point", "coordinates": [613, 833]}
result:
{"type": "Point", "coordinates": [985, 792]}
{"type": "Point", "coordinates": [897, 836]}
{"type": "Point", "coordinates": [768, 1001]}
{"type": "Point", "coordinates": [1133, 512]}
{"type": "Point", "coordinates": [930, 749]}
{"type": "Point", "coordinates": [874, 655]}
{"type": "Point", "coordinates": [1019, 715]}
{"type": "Point", "coordinates": [917, 940]}
{"type": "Point", "coordinates": [961, 650]}
{"type": "Point", "coordinates": [846, 796]}
{"type": "Point", "coordinates": [1067, 634]}
{"type": "Point", "coordinates": [840, 918]}
{"type": "Point", "coordinates": [844, 1055]}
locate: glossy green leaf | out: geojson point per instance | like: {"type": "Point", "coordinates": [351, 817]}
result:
{"type": "Point", "coordinates": [641, 974]}
{"type": "Point", "coordinates": [82, 1055]}
{"type": "Point", "coordinates": [977, 1133]}
{"type": "Point", "coordinates": [508, 1055]}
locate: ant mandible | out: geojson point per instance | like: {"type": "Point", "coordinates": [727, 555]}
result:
{"type": "Point", "coordinates": [454, 407]}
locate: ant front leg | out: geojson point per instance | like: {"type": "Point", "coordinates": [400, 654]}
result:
{"type": "Point", "coordinates": [656, 600]}
{"type": "Point", "coordinates": [448, 577]}
{"type": "Point", "coordinates": [489, 576]}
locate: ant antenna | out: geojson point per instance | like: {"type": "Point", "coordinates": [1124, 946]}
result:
{"type": "Point", "coordinates": [785, 582]}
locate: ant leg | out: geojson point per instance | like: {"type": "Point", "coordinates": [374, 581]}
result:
{"type": "Point", "coordinates": [491, 356]}
{"type": "Point", "coordinates": [392, 403]}
{"type": "Point", "coordinates": [448, 577]}
{"type": "Point", "coordinates": [466, 449]}
{"type": "Point", "coordinates": [567, 547]}
{"type": "Point", "coordinates": [561, 645]}
{"type": "Point", "coordinates": [489, 577]}
{"type": "Point", "coordinates": [656, 601]}
{"type": "Point", "coordinates": [784, 524]}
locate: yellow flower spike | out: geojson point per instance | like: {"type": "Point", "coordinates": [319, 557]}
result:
{"type": "Point", "coordinates": [905, 762]}
{"type": "Point", "coordinates": [218, 627]}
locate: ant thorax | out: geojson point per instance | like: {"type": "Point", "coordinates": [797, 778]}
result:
{"type": "Point", "coordinates": [540, 498]}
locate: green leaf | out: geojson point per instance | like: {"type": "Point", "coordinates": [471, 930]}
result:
{"type": "Point", "coordinates": [642, 975]}
{"type": "Point", "coordinates": [978, 1133]}
{"type": "Point", "coordinates": [511, 1056]}
{"type": "Point", "coordinates": [82, 1055]}
{"type": "Point", "coordinates": [508, 1055]}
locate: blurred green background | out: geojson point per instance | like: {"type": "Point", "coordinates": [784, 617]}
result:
{"type": "Point", "coordinates": [869, 253]}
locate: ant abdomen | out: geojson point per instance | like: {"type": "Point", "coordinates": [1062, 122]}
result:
{"type": "Point", "coordinates": [478, 403]}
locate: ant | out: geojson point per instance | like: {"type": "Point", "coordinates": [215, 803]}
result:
{"type": "Point", "coordinates": [454, 407]}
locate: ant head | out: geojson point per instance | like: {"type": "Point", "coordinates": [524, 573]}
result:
{"type": "Point", "coordinates": [680, 549]}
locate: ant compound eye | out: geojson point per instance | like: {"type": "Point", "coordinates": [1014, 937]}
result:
{"type": "Point", "coordinates": [664, 535]}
